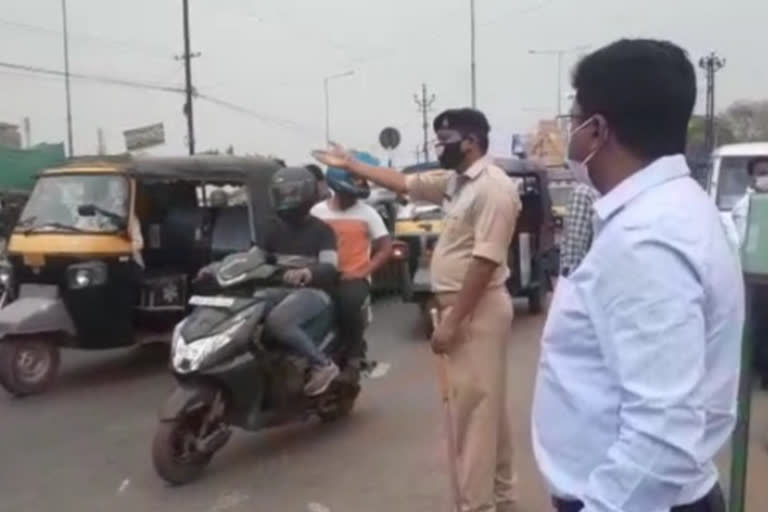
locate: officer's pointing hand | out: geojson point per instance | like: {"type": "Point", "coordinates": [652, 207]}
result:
{"type": "Point", "coordinates": [334, 156]}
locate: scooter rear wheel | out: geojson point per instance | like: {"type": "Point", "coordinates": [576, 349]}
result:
{"type": "Point", "coordinates": [173, 454]}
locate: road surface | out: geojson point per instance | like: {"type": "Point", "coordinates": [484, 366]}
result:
{"type": "Point", "coordinates": [85, 446]}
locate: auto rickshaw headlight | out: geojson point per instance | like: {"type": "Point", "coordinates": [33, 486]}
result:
{"type": "Point", "coordinates": [84, 275]}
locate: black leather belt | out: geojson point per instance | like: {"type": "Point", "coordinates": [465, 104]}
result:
{"type": "Point", "coordinates": [712, 502]}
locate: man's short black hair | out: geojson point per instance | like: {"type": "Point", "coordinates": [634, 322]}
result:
{"type": "Point", "coordinates": [316, 171]}
{"type": "Point", "coordinates": [467, 121]}
{"type": "Point", "coordinates": [754, 162]}
{"type": "Point", "coordinates": [645, 89]}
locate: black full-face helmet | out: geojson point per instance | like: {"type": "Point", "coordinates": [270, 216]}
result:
{"type": "Point", "coordinates": [293, 192]}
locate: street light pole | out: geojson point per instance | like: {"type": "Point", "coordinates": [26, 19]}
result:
{"type": "Point", "coordinates": [473, 63]}
{"type": "Point", "coordinates": [559, 54]}
{"type": "Point", "coordinates": [70, 144]}
{"type": "Point", "coordinates": [328, 102]}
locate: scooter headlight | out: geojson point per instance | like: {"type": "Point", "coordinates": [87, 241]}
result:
{"type": "Point", "coordinates": [188, 357]}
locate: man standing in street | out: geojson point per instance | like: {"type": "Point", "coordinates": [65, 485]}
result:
{"type": "Point", "coordinates": [469, 271]}
{"type": "Point", "coordinates": [364, 246]}
{"type": "Point", "coordinates": [577, 236]}
{"type": "Point", "coordinates": [639, 366]}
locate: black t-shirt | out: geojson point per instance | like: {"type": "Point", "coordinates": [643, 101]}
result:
{"type": "Point", "coordinates": [309, 239]}
{"type": "Point", "coordinates": [312, 239]}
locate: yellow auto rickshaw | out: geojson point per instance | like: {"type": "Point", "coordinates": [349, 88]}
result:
{"type": "Point", "coordinates": [104, 251]}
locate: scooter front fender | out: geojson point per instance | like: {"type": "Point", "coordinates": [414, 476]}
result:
{"type": "Point", "coordinates": [186, 397]}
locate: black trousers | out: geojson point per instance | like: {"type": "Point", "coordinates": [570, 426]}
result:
{"type": "Point", "coordinates": [712, 502]}
{"type": "Point", "coordinates": [350, 296]}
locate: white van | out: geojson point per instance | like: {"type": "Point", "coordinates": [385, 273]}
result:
{"type": "Point", "coordinates": [729, 180]}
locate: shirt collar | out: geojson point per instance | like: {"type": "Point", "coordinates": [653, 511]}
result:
{"type": "Point", "coordinates": [476, 168]}
{"type": "Point", "coordinates": [657, 172]}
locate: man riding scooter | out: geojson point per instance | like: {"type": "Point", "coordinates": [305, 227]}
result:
{"type": "Point", "coordinates": [294, 190]}
{"type": "Point", "coordinates": [364, 245]}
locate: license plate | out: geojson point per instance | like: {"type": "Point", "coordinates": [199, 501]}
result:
{"type": "Point", "coordinates": [212, 302]}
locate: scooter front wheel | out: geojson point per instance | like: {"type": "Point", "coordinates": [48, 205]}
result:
{"type": "Point", "coordinates": [175, 452]}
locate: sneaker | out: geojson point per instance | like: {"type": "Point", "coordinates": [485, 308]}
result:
{"type": "Point", "coordinates": [320, 378]}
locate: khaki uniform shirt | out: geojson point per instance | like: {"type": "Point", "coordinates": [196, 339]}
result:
{"type": "Point", "coordinates": [481, 208]}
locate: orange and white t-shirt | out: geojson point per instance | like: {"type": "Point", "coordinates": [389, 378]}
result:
{"type": "Point", "coordinates": [355, 228]}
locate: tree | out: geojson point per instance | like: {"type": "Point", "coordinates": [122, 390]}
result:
{"type": "Point", "coordinates": [748, 120]}
{"type": "Point", "coordinates": [697, 129]}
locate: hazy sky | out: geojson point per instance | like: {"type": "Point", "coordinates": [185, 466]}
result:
{"type": "Point", "coordinates": [270, 57]}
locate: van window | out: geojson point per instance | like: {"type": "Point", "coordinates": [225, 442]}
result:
{"type": "Point", "coordinates": [732, 181]}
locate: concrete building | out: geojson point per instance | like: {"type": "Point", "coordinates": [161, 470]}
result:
{"type": "Point", "coordinates": [10, 137]}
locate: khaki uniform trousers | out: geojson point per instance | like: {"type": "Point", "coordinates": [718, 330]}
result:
{"type": "Point", "coordinates": [478, 373]}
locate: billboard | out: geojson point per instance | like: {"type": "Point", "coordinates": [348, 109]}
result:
{"type": "Point", "coordinates": [144, 137]}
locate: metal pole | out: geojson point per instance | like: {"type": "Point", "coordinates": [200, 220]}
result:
{"type": "Point", "coordinates": [188, 77]}
{"type": "Point", "coordinates": [326, 82]}
{"type": "Point", "coordinates": [740, 440]}
{"type": "Point", "coordinates": [473, 62]}
{"type": "Point", "coordinates": [559, 84]}
{"type": "Point", "coordinates": [70, 144]}
{"type": "Point", "coordinates": [327, 112]}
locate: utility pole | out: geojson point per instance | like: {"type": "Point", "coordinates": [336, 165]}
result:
{"type": "Point", "coordinates": [27, 133]}
{"type": "Point", "coordinates": [190, 91]}
{"type": "Point", "coordinates": [473, 63]}
{"type": "Point", "coordinates": [425, 106]}
{"type": "Point", "coordinates": [70, 144]}
{"type": "Point", "coordinates": [711, 64]}
{"type": "Point", "coordinates": [101, 146]}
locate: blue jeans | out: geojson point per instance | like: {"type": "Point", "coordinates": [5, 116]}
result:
{"type": "Point", "coordinates": [285, 322]}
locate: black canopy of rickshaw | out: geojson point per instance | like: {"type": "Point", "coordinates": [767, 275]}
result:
{"type": "Point", "coordinates": [254, 173]}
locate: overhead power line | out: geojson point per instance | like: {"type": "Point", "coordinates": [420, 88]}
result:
{"type": "Point", "coordinates": [147, 50]}
{"type": "Point", "coordinates": [93, 78]}
{"type": "Point", "coordinates": [267, 119]}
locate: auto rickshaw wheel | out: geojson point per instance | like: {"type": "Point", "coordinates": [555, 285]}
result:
{"type": "Point", "coordinates": [28, 366]}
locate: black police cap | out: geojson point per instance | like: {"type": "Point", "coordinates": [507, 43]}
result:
{"type": "Point", "coordinates": [466, 120]}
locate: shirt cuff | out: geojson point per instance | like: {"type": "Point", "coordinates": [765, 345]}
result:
{"type": "Point", "coordinates": [490, 251]}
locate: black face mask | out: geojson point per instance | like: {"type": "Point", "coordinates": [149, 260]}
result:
{"type": "Point", "coordinates": [452, 156]}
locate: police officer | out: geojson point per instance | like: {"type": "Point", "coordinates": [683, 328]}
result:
{"type": "Point", "coordinates": [469, 271]}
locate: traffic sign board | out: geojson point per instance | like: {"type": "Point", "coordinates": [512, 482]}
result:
{"type": "Point", "coordinates": [389, 138]}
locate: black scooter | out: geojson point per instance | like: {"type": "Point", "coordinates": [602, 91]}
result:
{"type": "Point", "coordinates": [230, 374]}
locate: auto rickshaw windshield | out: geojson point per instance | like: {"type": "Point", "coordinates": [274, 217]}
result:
{"type": "Point", "coordinates": [77, 202]}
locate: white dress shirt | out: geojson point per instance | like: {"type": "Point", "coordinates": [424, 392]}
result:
{"type": "Point", "coordinates": [638, 373]}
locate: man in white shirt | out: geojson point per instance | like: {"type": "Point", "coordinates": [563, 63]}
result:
{"type": "Point", "coordinates": [364, 246]}
{"type": "Point", "coordinates": [639, 367]}
{"type": "Point", "coordinates": [758, 173]}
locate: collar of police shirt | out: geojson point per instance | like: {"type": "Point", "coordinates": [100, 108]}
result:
{"type": "Point", "coordinates": [458, 180]}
